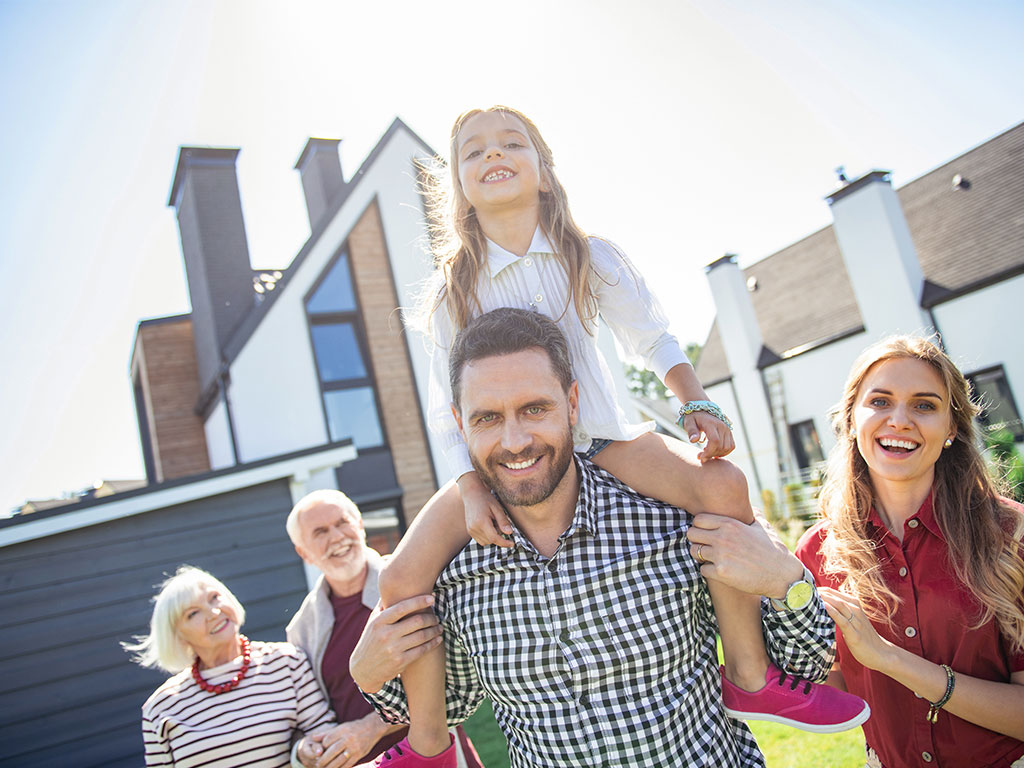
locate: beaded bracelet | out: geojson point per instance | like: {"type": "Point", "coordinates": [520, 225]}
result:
{"type": "Point", "coordinates": [935, 706]}
{"type": "Point", "coordinates": [702, 405]}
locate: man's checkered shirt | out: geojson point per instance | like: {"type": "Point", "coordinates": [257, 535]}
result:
{"type": "Point", "coordinates": [604, 654]}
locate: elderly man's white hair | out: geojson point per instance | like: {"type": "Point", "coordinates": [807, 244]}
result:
{"type": "Point", "coordinates": [325, 496]}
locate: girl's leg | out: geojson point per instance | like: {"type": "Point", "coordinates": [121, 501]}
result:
{"type": "Point", "coordinates": [667, 469]}
{"type": "Point", "coordinates": [436, 535]}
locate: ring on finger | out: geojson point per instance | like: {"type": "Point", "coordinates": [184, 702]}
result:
{"type": "Point", "coordinates": [700, 554]}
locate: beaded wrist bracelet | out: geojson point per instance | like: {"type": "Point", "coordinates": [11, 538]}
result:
{"type": "Point", "coordinates": [702, 405]}
{"type": "Point", "coordinates": [935, 706]}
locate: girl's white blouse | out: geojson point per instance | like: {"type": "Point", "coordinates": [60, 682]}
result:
{"type": "Point", "coordinates": [537, 281]}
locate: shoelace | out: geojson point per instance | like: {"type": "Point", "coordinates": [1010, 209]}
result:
{"type": "Point", "coordinates": [796, 681]}
{"type": "Point", "coordinates": [396, 749]}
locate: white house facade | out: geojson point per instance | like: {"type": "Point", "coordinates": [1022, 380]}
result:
{"type": "Point", "coordinates": [944, 254]}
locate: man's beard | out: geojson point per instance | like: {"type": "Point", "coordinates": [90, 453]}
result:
{"type": "Point", "coordinates": [525, 493]}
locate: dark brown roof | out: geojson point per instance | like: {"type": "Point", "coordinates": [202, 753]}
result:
{"type": "Point", "coordinates": [965, 238]}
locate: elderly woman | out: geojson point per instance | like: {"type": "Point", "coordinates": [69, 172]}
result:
{"type": "Point", "coordinates": [923, 558]}
{"type": "Point", "coordinates": [231, 701]}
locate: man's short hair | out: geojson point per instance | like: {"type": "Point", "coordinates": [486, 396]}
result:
{"type": "Point", "coordinates": [325, 496]}
{"type": "Point", "coordinates": [506, 331]}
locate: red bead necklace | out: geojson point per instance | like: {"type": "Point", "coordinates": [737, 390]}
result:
{"type": "Point", "coordinates": [234, 681]}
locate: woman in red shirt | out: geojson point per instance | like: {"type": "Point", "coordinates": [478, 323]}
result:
{"type": "Point", "coordinates": [920, 564]}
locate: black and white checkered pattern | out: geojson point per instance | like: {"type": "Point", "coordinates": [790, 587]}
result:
{"type": "Point", "coordinates": [604, 654]}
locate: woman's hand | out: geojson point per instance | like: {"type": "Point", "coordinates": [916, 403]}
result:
{"type": "Point", "coordinates": [309, 749]}
{"type": "Point", "coordinates": [486, 520]}
{"type": "Point", "coordinates": [867, 646]}
{"type": "Point", "coordinates": [344, 744]}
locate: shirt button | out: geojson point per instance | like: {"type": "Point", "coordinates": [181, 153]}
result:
{"type": "Point", "coordinates": [528, 262]}
{"type": "Point", "coordinates": [926, 756]}
{"type": "Point", "coordinates": [564, 635]}
{"type": "Point", "coordinates": [903, 571]}
{"type": "Point", "coordinates": [910, 632]}
{"type": "Point", "coordinates": [913, 524]}
{"type": "Point", "coordinates": [538, 298]}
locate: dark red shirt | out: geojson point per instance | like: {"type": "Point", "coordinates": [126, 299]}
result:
{"type": "Point", "coordinates": [933, 621]}
{"type": "Point", "coordinates": [348, 703]}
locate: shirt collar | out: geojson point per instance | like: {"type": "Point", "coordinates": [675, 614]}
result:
{"type": "Point", "coordinates": [925, 515]}
{"type": "Point", "coordinates": [584, 517]}
{"type": "Point", "coordinates": [498, 258]}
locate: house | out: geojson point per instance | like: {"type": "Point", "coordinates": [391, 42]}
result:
{"type": "Point", "coordinates": [278, 382]}
{"type": "Point", "coordinates": [943, 254]}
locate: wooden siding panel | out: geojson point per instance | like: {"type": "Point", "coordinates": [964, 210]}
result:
{"type": "Point", "coordinates": [389, 358]}
{"type": "Point", "coordinates": [69, 696]}
{"type": "Point", "coordinates": [170, 385]}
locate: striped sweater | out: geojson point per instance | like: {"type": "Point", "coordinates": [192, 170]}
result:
{"type": "Point", "coordinates": [252, 725]}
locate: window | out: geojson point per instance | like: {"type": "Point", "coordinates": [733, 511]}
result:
{"type": "Point", "coordinates": [339, 346]}
{"type": "Point", "coordinates": [998, 408]}
{"type": "Point", "coordinates": [806, 444]}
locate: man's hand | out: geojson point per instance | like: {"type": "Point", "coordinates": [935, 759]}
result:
{"type": "Point", "coordinates": [742, 556]}
{"type": "Point", "coordinates": [392, 639]}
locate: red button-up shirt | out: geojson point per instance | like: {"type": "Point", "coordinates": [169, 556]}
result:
{"type": "Point", "coordinates": [932, 621]}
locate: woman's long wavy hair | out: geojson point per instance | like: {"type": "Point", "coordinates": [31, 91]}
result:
{"type": "Point", "coordinates": [460, 247]}
{"type": "Point", "coordinates": [982, 534]}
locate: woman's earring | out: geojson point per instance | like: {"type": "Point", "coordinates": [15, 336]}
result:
{"type": "Point", "coordinates": [949, 442]}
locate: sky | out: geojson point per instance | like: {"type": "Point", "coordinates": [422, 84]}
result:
{"type": "Point", "coordinates": [682, 130]}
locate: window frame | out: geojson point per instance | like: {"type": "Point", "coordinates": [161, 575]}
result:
{"type": "Point", "coordinates": [983, 426]}
{"type": "Point", "coordinates": [354, 317]}
{"type": "Point", "coordinates": [798, 448]}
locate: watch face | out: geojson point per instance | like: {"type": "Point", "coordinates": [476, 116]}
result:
{"type": "Point", "coordinates": [799, 595]}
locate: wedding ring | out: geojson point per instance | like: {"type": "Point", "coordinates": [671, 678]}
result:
{"type": "Point", "coordinates": [700, 554]}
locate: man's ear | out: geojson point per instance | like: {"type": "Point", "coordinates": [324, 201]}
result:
{"type": "Point", "coordinates": [574, 403]}
{"type": "Point", "coordinates": [457, 415]}
{"type": "Point", "coordinates": [303, 554]}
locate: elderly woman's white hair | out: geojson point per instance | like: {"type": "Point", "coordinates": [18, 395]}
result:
{"type": "Point", "coordinates": [163, 646]}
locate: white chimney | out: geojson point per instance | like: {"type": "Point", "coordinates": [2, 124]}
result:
{"type": "Point", "coordinates": [741, 334]}
{"type": "Point", "coordinates": [879, 255]}
{"type": "Point", "coordinates": [744, 346]}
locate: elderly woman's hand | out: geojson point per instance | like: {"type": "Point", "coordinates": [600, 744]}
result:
{"type": "Point", "coordinates": [344, 744]}
{"type": "Point", "coordinates": [310, 749]}
{"type": "Point", "coordinates": [867, 646]}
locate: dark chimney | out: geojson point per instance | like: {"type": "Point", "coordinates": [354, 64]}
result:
{"type": "Point", "coordinates": [322, 181]}
{"type": "Point", "coordinates": [205, 195]}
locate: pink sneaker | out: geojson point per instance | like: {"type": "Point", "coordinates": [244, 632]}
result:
{"type": "Point", "coordinates": [402, 755]}
{"type": "Point", "coordinates": [796, 702]}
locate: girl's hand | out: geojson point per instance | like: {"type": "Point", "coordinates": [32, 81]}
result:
{"type": "Point", "coordinates": [864, 642]}
{"type": "Point", "coordinates": [719, 436]}
{"type": "Point", "coordinates": [486, 520]}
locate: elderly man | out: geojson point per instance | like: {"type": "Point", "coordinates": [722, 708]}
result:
{"type": "Point", "coordinates": [594, 634]}
{"type": "Point", "coordinates": [327, 531]}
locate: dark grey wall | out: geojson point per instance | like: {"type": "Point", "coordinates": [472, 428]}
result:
{"type": "Point", "coordinates": [69, 696]}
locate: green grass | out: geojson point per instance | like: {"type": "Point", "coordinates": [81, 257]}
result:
{"type": "Point", "coordinates": [783, 747]}
{"type": "Point", "coordinates": [487, 737]}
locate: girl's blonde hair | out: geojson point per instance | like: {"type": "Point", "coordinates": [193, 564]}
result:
{"type": "Point", "coordinates": [460, 247]}
{"type": "Point", "coordinates": [983, 535]}
{"type": "Point", "coordinates": [163, 647]}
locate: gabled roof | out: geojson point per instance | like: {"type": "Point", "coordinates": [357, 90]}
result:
{"type": "Point", "coordinates": [252, 320]}
{"type": "Point", "coordinates": [966, 238]}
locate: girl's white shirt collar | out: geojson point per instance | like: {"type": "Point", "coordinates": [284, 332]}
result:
{"type": "Point", "coordinates": [498, 258]}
